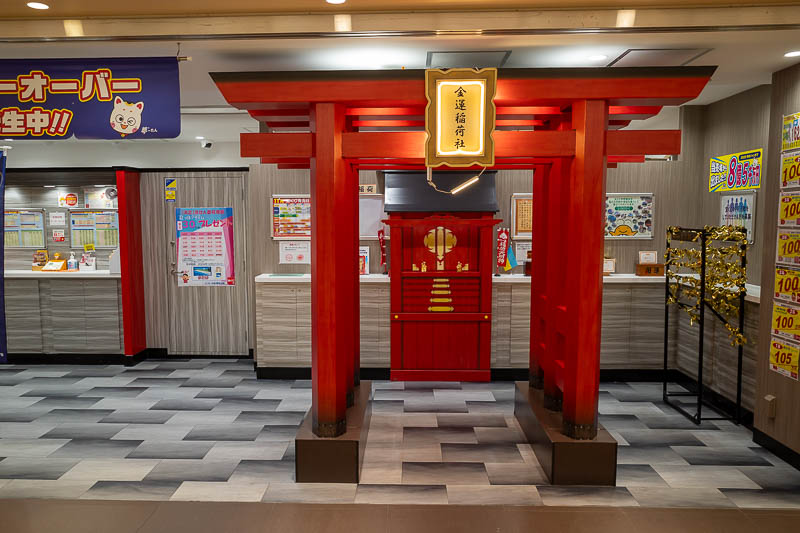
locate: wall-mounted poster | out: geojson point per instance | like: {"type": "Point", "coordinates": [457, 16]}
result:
{"type": "Point", "coordinates": [67, 199]}
{"type": "Point", "coordinates": [205, 246]}
{"type": "Point", "coordinates": [629, 216]}
{"type": "Point", "coordinates": [783, 356]}
{"type": "Point", "coordinates": [521, 216]}
{"type": "Point", "coordinates": [789, 209]}
{"type": "Point", "coordinates": [788, 246]}
{"type": "Point", "coordinates": [790, 140]}
{"type": "Point", "coordinates": [739, 209]}
{"type": "Point", "coordinates": [786, 321]}
{"type": "Point", "coordinates": [291, 216]}
{"type": "Point", "coordinates": [735, 172]}
{"type": "Point", "coordinates": [295, 252]}
{"type": "Point", "coordinates": [363, 260]}
{"type": "Point", "coordinates": [787, 283]}
{"type": "Point", "coordinates": [23, 229]}
{"type": "Point", "coordinates": [98, 228]}
{"type": "Point", "coordinates": [522, 249]}
{"type": "Point", "coordinates": [790, 170]}
{"type": "Point", "coordinates": [100, 198]}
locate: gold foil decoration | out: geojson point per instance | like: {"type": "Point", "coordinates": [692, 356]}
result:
{"type": "Point", "coordinates": [440, 309]}
{"type": "Point", "coordinates": [440, 241]}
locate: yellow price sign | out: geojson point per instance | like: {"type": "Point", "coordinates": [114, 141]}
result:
{"type": "Point", "coordinates": [783, 357]}
{"type": "Point", "coordinates": [786, 321]}
{"type": "Point", "coordinates": [88, 247]}
{"type": "Point", "coordinates": [790, 171]}
{"type": "Point", "coordinates": [787, 284]}
{"type": "Point", "coordinates": [788, 249]}
{"type": "Point", "coordinates": [789, 211]}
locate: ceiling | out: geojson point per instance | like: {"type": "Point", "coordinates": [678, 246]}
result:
{"type": "Point", "coordinates": [141, 8]}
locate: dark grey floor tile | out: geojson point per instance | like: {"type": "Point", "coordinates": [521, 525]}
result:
{"type": "Point", "coordinates": [421, 435]}
{"type": "Point", "coordinates": [134, 416]}
{"type": "Point", "coordinates": [773, 478]}
{"type": "Point", "coordinates": [243, 373]}
{"type": "Point", "coordinates": [471, 420]}
{"type": "Point", "coordinates": [507, 435]}
{"type": "Point", "coordinates": [95, 372]}
{"type": "Point", "coordinates": [83, 431]}
{"type": "Point", "coordinates": [52, 381]}
{"type": "Point", "coordinates": [10, 381]}
{"type": "Point", "coordinates": [27, 414]}
{"type": "Point", "coordinates": [190, 404]}
{"type": "Point", "coordinates": [659, 437]}
{"type": "Point", "coordinates": [148, 372]}
{"type": "Point", "coordinates": [260, 471]}
{"type": "Point", "coordinates": [271, 418]}
{"type": "Point", "coordinates": [216, 382]}
{"type": "Point", "coordinates": [184, 364]}
{"type": "Point", "coordinates": [66, 403]}
{"type": "Point", "coordinates": [649, 455]}
{"type": "Point", "coordinates": [617, 422]}
{"type": "Point", "coordinates": [430, 385]}
{"type": "Point", "coordinates": [764, 499]}
{"type": "Point", "coordinates": [635, 395]}
{"type": "Point", "coordinates": [171, 450]}
{"type": "Point", "coordinates": [706, 455]}
{"type": "Point", "coordinates": [582, 496]}
{"type": "Point", "coordinates": [115, 392]}
{"type": "Point", "coordinates": [615, 386]}
{"type": "Point", "coordinates": [56, 392]}
{"type": "Point", "coordinates": [401, 494]}
{"type": "Point", "coordinates": [158, 382]}
{"type": "Point", "coordinates": [515, 474]}
{"type": "Point", "coordinates": [35, 467]}
{"type": "Point", "coordinates": [74, 415]}
{"type": "Point", "coordinates": [446, 473]}
{"type": "Point", "coordinates": [638, 476]}
{"type": "Point", "coordinates": [238, 431]}
{"type": "Point", "coordinates": [503, 395]}
{"type": "Point", "coordinates": [289, 454]}
{"type": "Point", "coordinates": [675, 422]}
{"type": "Point", "coordinates": [131, 490]}
{"type": "Point", "coordinates": [191, 470]}
{"type": "Point", "coordinates": [239, 404]}
{"type": "Point", "coordinates": [278, 433]}
{"type": "Point", "coordinates": [483, 453]}
{"type": "Point", "coordinates": [96, 448]}
{"type": "Point", "coordinates": [301, 384]}
{"type": "Point", "coordinates": [10, 371]}
{"type": "Point", "coordinates": [212, 392]}
{"type": "Point", "coordinates": [411, 406]}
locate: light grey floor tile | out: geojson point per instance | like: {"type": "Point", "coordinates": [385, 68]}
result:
{"type": "Point", "coordinates": [412, 435]}
{"type": "Point", "coordinates": [132, 416]}
{"type": "Point", "coordinates": [649, 456]}
{"type": "Point", "coordinates": [447, 473]}
{"type": "Point", "coordinates": [125, 403]}
{"type": "Point", "coordinates": [131, 490]}
{"type": "Point", "coordinates": [23, 430]}
{"type": "Point", "coordinates": [216, 491]}
{"type": "Point", "coordinates": [763, 499]}
{"type": "Point", "coordinates": [193, 418]}
{"type": "Point", "coordinates": [30, 447]}
{"type": "Point", "coordinates": [311, 493]}
{"type": "Point", "coordinates": [171, 450]}
{"type": "Point", "coordinates": [492, 495]}
{"type": "Point", "coordinates": [639, 476]}
{"type": "Point", "coordinates": [153, 432]}
{"type": "Point", "coordinates": [583, 496]}
{"type": "Point", "coordinates": [274, 418]}
{"type": "Point", "coordinates": [110, 470]}
{"type": "Point", "coordinates": [706, 455]}
{"type": "Point", "coordinates": [670, 497]}
{"type": "Point", "coordinates": [277, 434]}
{"type": "Point", "coordinates": [253, 471]}
{"type": "Point", "coordinates": [401, 494]}
{"type": "Point", "coordinates": [463, 395]}
{"type": "Point", "coordinates": [63, 416]}
{"type": "Point", "coordinates": [499, 435]}
{"type": "Point", "coordinates": [230, 432]}
{"type": "Point", "coordinates": [483, 453]}
{"type": "Point", "coordinates": [709, 477]}
{"type": "Point", "coordinates": [44, 489]}
{"type": "Point", "coordinates": [192, 470]}
{"type": "Point", "coordinates": [84, 431]}
{"type": "Point", "coordinates": [96, 448]}
{"type": "Point", "coordinates": [34, 467]}
{"type": "Point", "coordinates": [265, 451]}
{"type": "Point", "coordinates": [515, 474]}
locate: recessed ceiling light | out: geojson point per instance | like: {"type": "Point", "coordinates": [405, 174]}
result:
{"type": "Point", "coordinates": [37, 5]}
{"type": "Point", "coordinates": [199, 138]}
{"type": "Point", "coordinates": [49, 186]}
{"type": "Point", "coordinates": [597, 57]}
{"type": "Point", "coordinates": [336, 1]}
{"type": "Point", "coordinates": [795, 53]}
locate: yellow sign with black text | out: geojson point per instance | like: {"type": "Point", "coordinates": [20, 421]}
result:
{"type": "Point", "coordinates": [735, 172]}
{"type": "Point", "coordinates": [790, 170]}
{"type": "Point", "coordinates": [786, 321]}
{"type": "Point", "coordinates": [789, 209]}
{"type": "Point", "coordinates": [788, 248]}
{"type": "Point", "coordinates": [787, 284]}
{"type": "Point", "coordinates": [783, 357]}
{"type": "Point", "coordinates": [460, 117]}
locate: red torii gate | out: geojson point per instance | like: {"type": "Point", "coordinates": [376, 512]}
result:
{"type": "Point", "coordinates": [564, 123]}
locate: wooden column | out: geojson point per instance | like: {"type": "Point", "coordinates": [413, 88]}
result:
{"type": "Point", "coordinates": [332, 190]}
{"type": "Point", "coordinates": [585, 266]}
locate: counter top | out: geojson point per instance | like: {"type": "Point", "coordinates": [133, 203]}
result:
{"type": "Point", "coordinates": [38, 274]}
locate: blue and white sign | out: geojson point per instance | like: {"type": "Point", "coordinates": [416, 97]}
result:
{"type": "Point", "coordinates": [113, 98]}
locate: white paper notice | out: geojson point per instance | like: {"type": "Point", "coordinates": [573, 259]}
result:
{"type": "Point", "coordinates": [58, 218]}
{"type": "Point", "coordinates": [521, 250]}
{"type": "Point", "coordinates": [295, 252]}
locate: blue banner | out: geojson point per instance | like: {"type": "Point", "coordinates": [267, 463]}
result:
{"type": "Point", "coordinates": [3, 336]}
{"type": "Point", "coordinates": [113, 98]}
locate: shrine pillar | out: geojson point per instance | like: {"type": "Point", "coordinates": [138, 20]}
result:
{"type": "Point", "coordinates": [585, 269]}
{"type": "Point", "coordinates": [334, 271]}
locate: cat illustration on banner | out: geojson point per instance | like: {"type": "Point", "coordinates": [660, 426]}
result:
{"type": "Point", "coordinates": [126, 117]}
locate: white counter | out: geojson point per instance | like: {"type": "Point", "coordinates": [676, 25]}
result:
{"type": "Point", "coordinates": [38, 274]}
{"type": "Point", "coordinates": [503, 278]}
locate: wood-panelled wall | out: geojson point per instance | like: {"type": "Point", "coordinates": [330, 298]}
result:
{"type": "Point", "coordinates": [785, 427]}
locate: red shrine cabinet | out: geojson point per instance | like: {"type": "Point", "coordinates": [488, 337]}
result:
{"type": "Point", "coordinates": [441, 265]}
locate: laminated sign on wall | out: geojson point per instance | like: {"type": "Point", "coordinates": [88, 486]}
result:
{"type": "Point", "coordinates": [205, 246]}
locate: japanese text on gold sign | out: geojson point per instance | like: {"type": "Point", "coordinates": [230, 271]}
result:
{"type": "Point", "coordinates": [460, 118]}
{"type": "Point", "coordinates": [36, 85]}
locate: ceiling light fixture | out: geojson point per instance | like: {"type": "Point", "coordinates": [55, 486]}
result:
{"type": "Point", "coordinates": [37, 5]}
{"type": "Point", "coordinates": [199, 138]}
{"type": "Point", "coordinates": [471, 181]}
{"type": "Point", "coordinates": [597, 57]}
{"type": "Point", "coordinates": [466, 184]}
{"type": "Point", "coordinates": [49, 186]}
{"type": "Point", "coordinates": [795, 53]}
{"type": "Point", "coordinates": [336, 1]}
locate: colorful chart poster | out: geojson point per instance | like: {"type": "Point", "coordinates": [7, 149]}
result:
{"type": "Point", "coordinates": [735, 172]}
{"type": "Point", "coordinates": [291, 216]}
{"type": "Point", "coordinates": [788, 248]}
{"type": "Point", "coordinates": [790, 140]}
{"type": "Point", "coordinates": [739, 209]}
{"type": "Point", "coordinates": [205, 246]}
{"type": "Point", "coordinates": [786, 321]}
{"type": "Point", "coordinates": [522, 216]}
{"type": "Point", "coordinates": [787, 284]}
{"type": "Point", "coordinates": [295, 253]}
{"type": "Point", "coordinates": [789, 209]}
{"type": "Point", "coordinates": [100, 198]}
{"type": "Point", "coordinates": [790, 170]}
{"type": "Point", "coordinates": [23, 229]}
{"type": "Point", "coordinates": [629, 216]}
{"type": "Point", "coordinates": [783, 357]}
{"type": "Point", "coordinates": [98, 228]}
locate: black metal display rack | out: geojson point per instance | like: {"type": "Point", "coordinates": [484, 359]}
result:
{"type": "Point", "coordinates": [687, 286]}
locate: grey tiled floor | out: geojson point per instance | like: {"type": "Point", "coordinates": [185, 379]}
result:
{"type": "Point", "coordinates": [208, 430]}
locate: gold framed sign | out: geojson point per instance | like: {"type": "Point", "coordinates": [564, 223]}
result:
{"type": "Point", "coordinates": [460, 117]}
{"type": "Point", "coordinates": [522, 215]}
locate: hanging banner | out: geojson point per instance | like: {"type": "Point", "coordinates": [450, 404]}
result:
{"type": "Point", "coordinates": [735, 172]}
{"type": "Point", "coordinates": [790, 140]}
{"type": "Point", "coordinates": [291, 216]}
{"type": "Point", "coordinates": [460, 117]}
{"type": "Point", "coordinates": [502, 247]}
{"type": "Point", "coordinates": [785, 320]}
{"type": "Point", "coordinates": [629, 216]}
{"type": "Point", "coordinates": [738, 209]}
{"type": "Point", "coordinates": [205, 246]}
{"type": "Point", "coordinates": [789, 209]}
{"type": "Point", "coordinates": [113, 98]}
{"type": "Point", "coordinates": [783, 357]}
{"type": "Point", "coordinates": [790, 170]}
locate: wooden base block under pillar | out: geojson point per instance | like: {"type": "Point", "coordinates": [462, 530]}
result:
{"type": "Point", "coordinates": [335, 459]}
{"type": "Point", "coordinates": [566, 461]}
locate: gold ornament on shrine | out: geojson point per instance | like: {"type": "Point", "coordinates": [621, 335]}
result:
{"type": "Point", "coordinates": [440, 241]}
